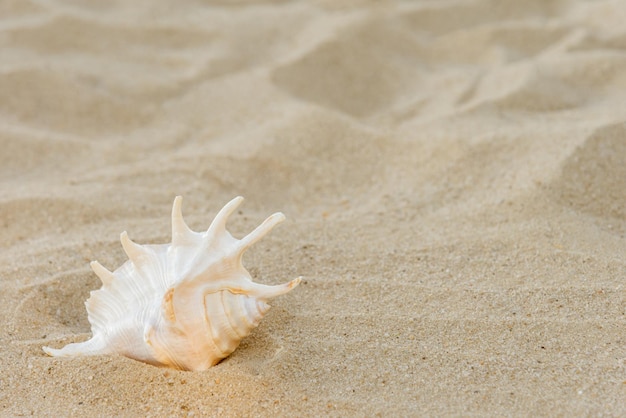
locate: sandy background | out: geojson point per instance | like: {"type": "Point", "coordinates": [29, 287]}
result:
{"type": "Point", "coordinates": [453, 173]}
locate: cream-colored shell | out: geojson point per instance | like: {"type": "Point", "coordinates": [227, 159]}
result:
{"type": "Point", "coordinates": [185, 305]}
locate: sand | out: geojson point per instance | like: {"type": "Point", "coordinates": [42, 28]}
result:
{"type": "Point", "coordinates": [453, 173]}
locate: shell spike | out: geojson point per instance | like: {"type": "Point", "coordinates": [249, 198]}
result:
{"type": "Point", "coordinates": [105, 275]}
{"type": "Point", "coordinates": [90, 347]}
{"type": "Point", "coordinates": [135, 252]}
{"type": "Point", "coordinates": [181, 233]}
{"type": "Point", "coordinates": [260, 231]}
{"type": "Point", "coordinates": [265, 292]}
{"type": "Point", "coordinates": [53, 351]}
{"type": "Point", "coordinates": [218, 226]}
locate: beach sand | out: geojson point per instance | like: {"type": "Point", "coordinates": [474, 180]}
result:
{"type": "Point", "coordinates": [453, 174]}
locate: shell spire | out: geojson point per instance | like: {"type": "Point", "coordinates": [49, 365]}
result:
{"type": "Point", "coordinates": [186, 304]}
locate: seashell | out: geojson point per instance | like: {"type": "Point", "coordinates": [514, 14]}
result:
{"type": "Point", "coordinates": [185, 305]}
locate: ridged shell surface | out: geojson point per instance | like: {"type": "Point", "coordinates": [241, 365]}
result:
{"type": "Point", "coordinates": [185, 305]}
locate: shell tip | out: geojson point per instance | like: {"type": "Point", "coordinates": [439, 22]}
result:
{"type": "Point", "coordinates": [52, 352]}
{"type": "Point", "coordinates": [295, 282]}
{"type": "Point", "coordinates": [181, 233]}
{"type": "Point", "coordinates": [133, 250]}
{"type": "Point", "coordinates": [218, 226]}
{"type": "Point", "coordinates": [260, 231]}
{"type": "Point", "coordinates": [105, 275]}
{"type": "Point", "coordinates": [177, 206]}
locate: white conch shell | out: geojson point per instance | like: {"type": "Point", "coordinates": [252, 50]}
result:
{"type": "Point", "coordinates": [186, 304]}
